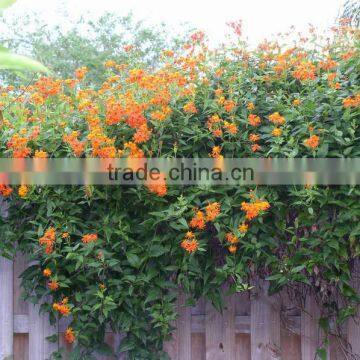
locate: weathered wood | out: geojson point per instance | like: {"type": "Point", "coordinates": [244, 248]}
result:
{"type": "Point", "coordinates": [39, 329]}
{"type": "Point", "coordinates": [183, 330]}
{"type": "Point", "coordinates": [214, 334]}
{"type": "Point", "coordinates": [265, 325]}
{"type": "Point", "coordinates": [220, 331]}
{"type": "Point", "coordinates": [354, 324]}
{"type": "Point", "coordinates": [6, 308]}
{"type": "Point", "coordinates": [311, 334]}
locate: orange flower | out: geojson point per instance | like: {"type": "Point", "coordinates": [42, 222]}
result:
{"type": "Point", "coordinates": [53, 285]}
{"type": "Point", "coordinates": [80, 73]}
{"type": "Point", "coordinates": [352, 101]}
{"type": "Point", "coordinates": [254, 120]}
{"type": "Point", "coordinates": [296, 102]}
{"type": "Point", "coordinates": [47, 272]}
{"type": "Point", "coordinates": [212, 211]}
{"type": "Point", "coordinates": [69, 335]}
{"type": "Point", "coordinates": [40, 154]}
{"type": "Point", "coordinates": [158, 186]}
{"type": "Point", "coordinates": [253, 210]}
{"type": "Point", "coordinates": [276, 118]}
{"type": "Point", "coordinates": [230, 127]}
{"type": "Point", "coordinates": [305, 71]}
{"type": "Point", "coordinates": [255, 147]}
{"type": "Point", "coordinates": [23, 190]}
{"type": "Point", "coordinates": [254, 137]}
{"type": "Point", "coordinates": [250, 106]}
{"type": "Point", "coordinates": [48, 240]}
{"type": "Point", "coordinates": [198, 221]}
{"type": "Point", "coordinates": [232, 248]}
{"type": "Point", "coordinates": [62, 307]}
{"type": "Point", "coordinates": [190, 108]}
{"type": "Point", "coordinates": [312, 142]}
{"type": "Point", "coordinates": [229, 105]}
{"type": "Point", "coordinates": [231, 238]}
{"type": "Point", "coordinates": [190, 244]}
{"type": "Point", "coordinates": [215, 153]}
{"type": "Point", "coordinates": [243, 228]}
{"type": "Point", "coordinates": [5, 190]}
{"type": "Point", "coordinates": [65, 235]}
{"type": "Point", "coordinates": [88, 238]}
{"type": "Point", "coordinates": [142, 134]}
{"type": "Point", "coordinates": [276, 132]}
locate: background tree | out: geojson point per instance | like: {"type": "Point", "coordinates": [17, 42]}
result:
{"type": "Point", "coordinates": [63, 48]}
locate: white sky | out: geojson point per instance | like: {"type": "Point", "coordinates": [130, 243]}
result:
{"type": "Point", "coordinates": [261, 18]}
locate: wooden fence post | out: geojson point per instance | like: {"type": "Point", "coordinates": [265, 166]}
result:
{"type": "Point", "coordinates": [354, 325]}
{"type": "Point", "coordinates": [6, 309]}
{"type": "Point", "coordinates": [39, 329]}
{"type": "Point", "coordinates": [265, 325]}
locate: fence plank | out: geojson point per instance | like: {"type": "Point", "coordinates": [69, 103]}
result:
{"type": "Point", "coordinates": [220, 331]}
{"type": "Point", "coordinates": [354, 324]}
{"type": "Point", "coordinates": [184, 329]}
{"type": "Point", "coordinates": [39, 329]}
{"type": "Point", "coordinates": [6, 308]}
{"type": "Point", "coordinates": [179, 348]}
{"type": "Point", "coordinates": [311, 334]}
{"type": "Point", "coordinates": [265, 326]}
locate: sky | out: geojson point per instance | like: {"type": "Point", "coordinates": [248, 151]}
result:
{"type": "Point", "coordinates": [261, 18]}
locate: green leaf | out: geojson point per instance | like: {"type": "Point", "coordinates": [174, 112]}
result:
{"type": "Point", "coordinates": [321, 353]}
{"type": "Point", "coordinates": [134, 260]}
{"type": "Point", "coordinates": [10, 61]}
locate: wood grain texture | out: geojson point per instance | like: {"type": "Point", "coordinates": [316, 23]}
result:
{"type": "Point", "coordinates": [265, 325]}
{"type": "Point", "coordinates": [39, 329]}
{"type": "Point", "coordinates": [220, 331]}
{"type": "Point", "coordinates": [311, 335]}
{"type": "Point", "coordinates": [6, 308]}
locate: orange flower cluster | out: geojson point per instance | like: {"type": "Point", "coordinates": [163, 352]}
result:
{"type": "Point", "coordinates": [306, 70]}
{"type": "Point", "coordinates": [158, 186]}
{"type": "Point", "coordinates": [276, 132]}
{"type": "Point", "coordinates": [243, 228]}
{"type": "Point", "coordinates": [276, 118]}
{"type": "Point", "coordinates": [18, 144]}
{"type": "Point", "coordinates": [190, 244]}
{"type": "Point", "coordinates": [5, 190]}
{"type": "Point", "coordinates": [352, 101]}
{"type": "Point", "coordinates": [48, 240]}
{"type": "Point", "coordinates": [89, 238]}
{"type": "Point", "coordinates": [198, 221]}
{"type": "Point", "coordinates": [254, 120]}
{"type": "Point", "coordinates": [47, 272]}
{"type": "Point", "coordinates": [232, 240]}
{"type": "Point", "coordinates": [81, 72]}
{"type": "Point", "coordinates": [62, 307]}
{"type": "Point", "coordinates": [190, 108]}
{"type": "Point", "coordinates": [48, 87]}
{"type": "Point", "coordinates": [212, 211]}
{"type": "Point", "coordinates": [253, 209]}
{"type": "Point", "coordinates": [216, 152]}
{"type": "Point", "coordinates": [69, 335]}
{"type": "Point", "coordinates": [23, 190]}
{"type": "Point", "coordinates": [312, 142]}
{"type": "Point", "coordinates": [229, 105]}
{"type": "Point", "coordinates": [142, 134]}
{"type": "Point", "coordinates": [53, 285]}
{"type": "Point", "coordinates": [77, 146]}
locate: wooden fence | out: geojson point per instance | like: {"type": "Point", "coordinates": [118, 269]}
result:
{"type": "Point", "coordinates": [254, 328]}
